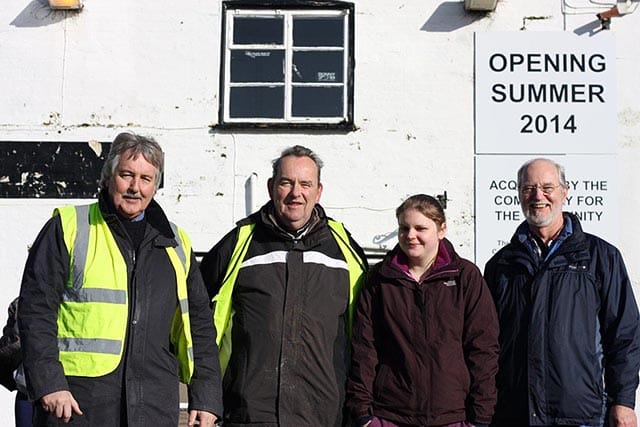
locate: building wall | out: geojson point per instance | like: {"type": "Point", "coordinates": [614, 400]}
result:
{"type": "Point", "coordinates": [152, 68]}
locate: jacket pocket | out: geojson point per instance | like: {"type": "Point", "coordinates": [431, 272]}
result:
{"type": "Point", "coordinates": [389, 387]}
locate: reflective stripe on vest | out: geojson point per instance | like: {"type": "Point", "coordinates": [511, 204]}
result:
{"type": "Point", "coordinates": [92, 317]}
{"type": "Point", "coordinates": [180, 337]}
{"type": "Point", "coordinates": [355, 264]}
{"type": "Point", "coordinates": [223, 310]}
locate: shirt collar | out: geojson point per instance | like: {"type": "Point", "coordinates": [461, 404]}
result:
{"type": "Point", "coordinates": [523, 234]}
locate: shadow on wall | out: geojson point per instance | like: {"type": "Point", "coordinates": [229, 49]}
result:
{"type": "Point", "coordinates": [38, 14]}
{"type": "Point", "coordinates": [382, 239]}
{"type": "Point", "coordinates": [451, 16]}
{"type": "Point", "coordinates": [590, 28]}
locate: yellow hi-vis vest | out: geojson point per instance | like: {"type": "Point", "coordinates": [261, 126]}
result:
{"type": "Point", "coordinates": [93, 314]}
{"type": "Point", "coordinates": [223, 313]}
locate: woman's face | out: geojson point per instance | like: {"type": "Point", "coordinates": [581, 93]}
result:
{"type": "Point", "coordinates": [419, 236]}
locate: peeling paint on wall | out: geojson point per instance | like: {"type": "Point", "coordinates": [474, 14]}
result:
{"type": "Point", "coordinates": [58, 170]}
{"type": "Point", "coordinates": [532, 18]}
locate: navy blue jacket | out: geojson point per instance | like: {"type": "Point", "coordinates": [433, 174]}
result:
{"type": "Point", "coordinates": [569, 331]}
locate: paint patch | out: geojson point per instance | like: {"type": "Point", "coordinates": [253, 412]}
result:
{"type": "Point", "coordinates": [96, 146]}
{"type": "Point", "coordinates": [57, 170]}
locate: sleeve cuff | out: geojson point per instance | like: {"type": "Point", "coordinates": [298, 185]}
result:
{"type": "Point", "coordinates": [363, 420]}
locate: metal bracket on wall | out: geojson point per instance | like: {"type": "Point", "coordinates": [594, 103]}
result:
{"type": "Point", "coordinates": [442, 198]}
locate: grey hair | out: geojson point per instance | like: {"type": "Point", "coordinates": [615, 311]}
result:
{"type": "Point", "coordinates": [139, 145]}
{"type": "Point", "coordinates": [559, 168]}
{"type": "Point", "coordinates": [298, 151]}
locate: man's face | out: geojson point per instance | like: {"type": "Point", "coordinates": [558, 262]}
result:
{"type": "Point", "coordinates": [542, 210]}
{"type": "Point", "coordinates": [295, 190]}
{"type": "Point", "coordinates": [132, 185]}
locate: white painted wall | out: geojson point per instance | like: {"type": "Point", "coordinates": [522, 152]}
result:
{"type": "Point", "coordinates": [151, 67]}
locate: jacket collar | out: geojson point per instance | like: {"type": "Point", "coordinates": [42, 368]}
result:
{"type": "Point", "coordinates": [269, 215]}
{"type": "Point", "coordinates": [571, 246]}
{"type": "Point", "coordinates": [534, 244]}
{"type": "Point", "coordinates": [395, 263]}
{"type": "Point", "coordinates": [310, 234]}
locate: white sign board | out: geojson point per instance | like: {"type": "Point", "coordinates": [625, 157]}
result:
{"type": "Point", "coordinates": [593, 197]}
{"type": "Point", "coordinates": [553, 92]}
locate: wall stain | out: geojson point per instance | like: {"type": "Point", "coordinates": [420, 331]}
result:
{"type": "Point", "coordinates": [532, 18]}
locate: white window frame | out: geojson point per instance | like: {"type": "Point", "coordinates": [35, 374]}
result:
{"type": "Point", "coordinates": [345, 120]}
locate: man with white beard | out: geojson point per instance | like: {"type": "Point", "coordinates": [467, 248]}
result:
{"type": "Point", "coordinates": [569, 335]}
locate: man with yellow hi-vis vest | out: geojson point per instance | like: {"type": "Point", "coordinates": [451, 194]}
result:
{"type": "Point", "coordinates": [113, 310]}
{"type": "Point", "coordinates": [283, 284]}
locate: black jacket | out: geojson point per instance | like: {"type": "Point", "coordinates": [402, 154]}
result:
{"type": "Point", "coordinates": [569, 331]}
{"type": "Point", "coordinates": [144, 387]}
{"type": "Point", "coordinates": [10, 353]}
{"type": "Point", "coordinates": [289, 354]}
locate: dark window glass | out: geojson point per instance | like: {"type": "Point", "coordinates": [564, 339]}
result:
{"type": "Point", "coordinates": [257, 66]}
{"type": "Point", "coordinates": [318, 31]}
{"type": "Point", "coordinates": [258, 102]}
{"type": "Point", "coordinates": [317, 102]}
{"type": "Point", "coordinates": [318, 67]}
{"type": "Point", "coordinates": [258, 30]}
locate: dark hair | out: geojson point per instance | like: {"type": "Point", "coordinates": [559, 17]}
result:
{"type": "Point", "coordinates": [523, 170]}
{"type": "Point", "coordinates": [298, 151]}
{"type": "Point", "coordinates": [139, 145]}
{"type": "Point", "coordinates": [426, 205]}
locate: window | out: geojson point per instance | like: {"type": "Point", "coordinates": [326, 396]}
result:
{"type": "Point", "coordinates": [287, 65]}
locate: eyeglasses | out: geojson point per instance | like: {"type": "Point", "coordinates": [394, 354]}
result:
{"type": "Point", "coordinates": [546, 189]}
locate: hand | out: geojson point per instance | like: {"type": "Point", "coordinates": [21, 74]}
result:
{"type": "Point", "coordinates": [206, 419]}
{"type": "Point", "coordinates": [622, 416]}
{"type": "Point", "coordinates": [61, 404]}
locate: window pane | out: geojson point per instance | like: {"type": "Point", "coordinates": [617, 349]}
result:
{"type": "Point", "coordinates": [257, 102]}
{"type": "Point", "coordinates": [257, 66]}
{"type": "Point", "coordinates": [264, 30]}
{"type": "Point", "coordinates": [317, 66]}
{"type": "Point", "coordinates": [318, 31]}
{"type": "Point", "coordinates": [317, 102]}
